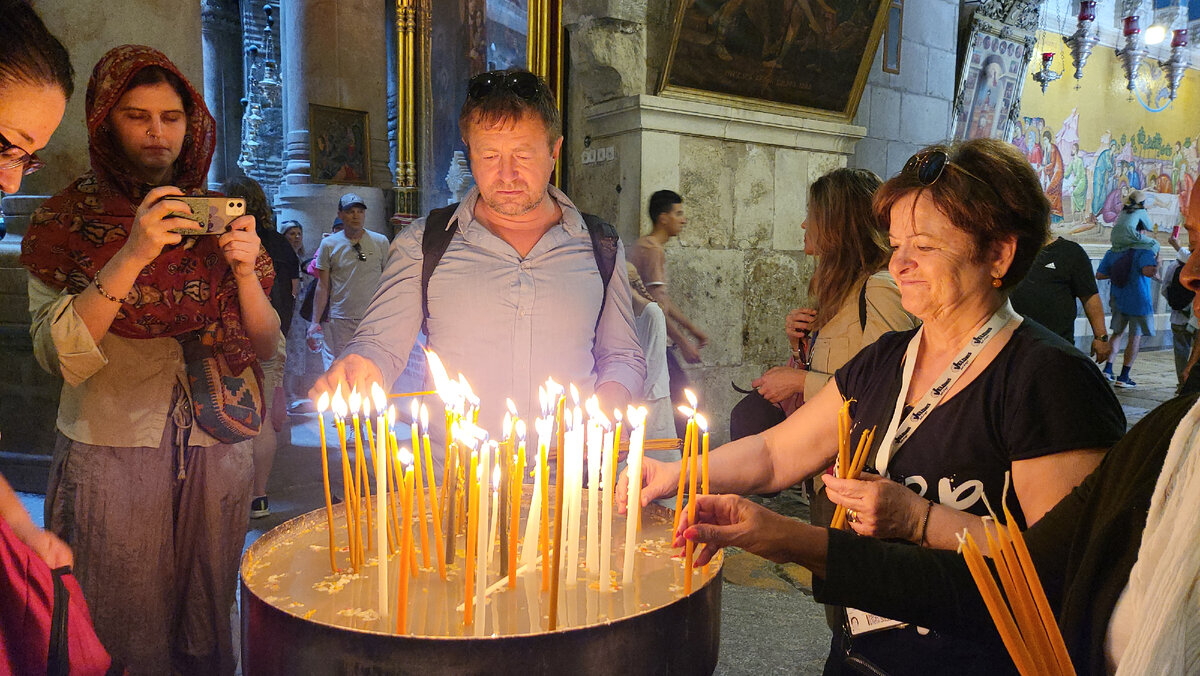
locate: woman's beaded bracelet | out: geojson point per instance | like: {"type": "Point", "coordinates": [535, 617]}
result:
{"type": "Point", "coordinates": [96, 283]}
{"type": "Point", "coordinates": [925, 523]}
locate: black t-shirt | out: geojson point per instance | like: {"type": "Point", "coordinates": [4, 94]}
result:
{"type": "Point", "coordinates": [287, 268]}
{"type": "Point", "coordinates": [1061, 273]}
{"type": "Point", "coordinates": [1038, 396]}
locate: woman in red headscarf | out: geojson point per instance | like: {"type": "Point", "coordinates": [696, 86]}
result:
{"type": "Point", "coordinates": [154, 506]}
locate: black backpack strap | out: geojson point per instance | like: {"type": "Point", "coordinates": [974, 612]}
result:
{"type": "Point", "coordinates": [434, 242]}
{"type": "Point", "coordinates": [604, 247]}
{"type": "Point", "coordinates": [59, 658]}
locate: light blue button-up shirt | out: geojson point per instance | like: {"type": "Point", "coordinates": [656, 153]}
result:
{"type": "Point", "coordinates": [507, 322]}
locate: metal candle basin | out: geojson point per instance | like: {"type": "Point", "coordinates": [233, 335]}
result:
{"type": "Point", "coordinates": [681, 637]}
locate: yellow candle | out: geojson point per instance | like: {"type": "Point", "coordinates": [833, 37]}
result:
{"type": "Point", "coordinates": [434, 508]}
{"type": "Point", "coordinates": [691, 546]}
{"type": "Point", "coordinates": [556, 546]}
{"type": "Point", "coordinates": [418, 488]}
{"type": "Point", "coordinates": [683, 462]}
{"type": "Point", "coordinates": [406, 542]}
{"type": "Point", "coordinates": [1058, 647]}
{"type": "Point", "coordinates": [322, 406]}
{"type": "Point", "coordinates": [516, 477]}
{"type": "Point", "coordinates": [395, 477]}
{"type": "Point", "coordinates": [340, 412]}
{"type": "Point", "coordinates": [381, 456]}
{"type": "Point", "coordinates": [996, 607]}
{"type": "Point", "coordinates": [472, 520]}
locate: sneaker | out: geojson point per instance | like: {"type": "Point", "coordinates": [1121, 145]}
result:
{"type": "Point", "coordinates": [259, 507]}
{"type": "Point", "coordinates": [1108, 374]}
{"type": "Point", "coordinates": [1126, 382]}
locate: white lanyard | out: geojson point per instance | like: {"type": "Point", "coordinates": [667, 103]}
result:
{"type": "Point", "coordinates": [902, 427]}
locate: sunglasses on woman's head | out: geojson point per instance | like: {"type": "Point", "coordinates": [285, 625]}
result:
{"type": "Point", "coordinates": [358, 249]}
{"type": "Point", "coordinates": [522, 83]}
{"type": "Point", "coordinates": [929, 165]}
{"type": "Point", "coordinates": [13, 156]}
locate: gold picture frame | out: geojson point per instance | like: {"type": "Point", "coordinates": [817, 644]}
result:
{"type": "Point", "coordinates": [339, 145]}
{"type": "Point", "coordinates": [812, 60]}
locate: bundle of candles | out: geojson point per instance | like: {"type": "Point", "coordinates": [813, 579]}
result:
{"type": "Point", "coordinates": [1025, 623]}
{"type": "Point", "coordinates": [482, 493]}
{"type": "Point", "coordinates": [849, 466]}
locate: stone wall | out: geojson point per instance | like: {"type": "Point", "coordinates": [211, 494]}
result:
{"type": "Point", "coordinates": [739, 265]}
{"type": "Point", "coordinates": [905, 112]}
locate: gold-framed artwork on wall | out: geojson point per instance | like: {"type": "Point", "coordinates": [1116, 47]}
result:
{"type": "Point", "coordinates": [812, 58]}
{"type": "Point", "coordinates": [339, 149]}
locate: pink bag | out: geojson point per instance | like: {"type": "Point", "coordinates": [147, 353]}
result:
{"type": "Point", "coordinates": [45, 627]}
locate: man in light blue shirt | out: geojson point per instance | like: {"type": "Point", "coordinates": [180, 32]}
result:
{"type": "Point", "coordinates": [518, 296]}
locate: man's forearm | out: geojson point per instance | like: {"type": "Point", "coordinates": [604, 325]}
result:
{"type": "Point", "coordinates": [1093, 309]}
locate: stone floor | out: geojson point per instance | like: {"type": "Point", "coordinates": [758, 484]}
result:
{"type": "Point", "coordinates": [770, 623]}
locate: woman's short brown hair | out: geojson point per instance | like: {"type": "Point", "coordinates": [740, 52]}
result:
{"type": "Point", "coordinates": [989, 191]}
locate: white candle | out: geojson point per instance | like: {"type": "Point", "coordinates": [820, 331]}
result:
{"type": "Point", "coordinates": [595, 442]}
{"type": "Point", "coordinates": [482, 548]}
{"type": "Point", "coordinates": [533, 521]}
{"type": "Point", "coordinates": [381, 456]}
{"type": "Point", "coordinates": [575, 444]}
{"type": "Point", "coordinates": [634, 513]}
{"type": "Point", "coordinates": [491, 543]}
{"type": "Point", "coordinates": [606, 467]}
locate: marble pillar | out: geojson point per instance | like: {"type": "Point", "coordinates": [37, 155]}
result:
{"type": "Point", "coordinates": [333, 55]}
{"type": "Point", "coordinates": [222, 42]}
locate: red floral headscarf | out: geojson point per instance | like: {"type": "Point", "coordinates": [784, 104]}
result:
{"type": "Point", "coordinates": [70, 238]}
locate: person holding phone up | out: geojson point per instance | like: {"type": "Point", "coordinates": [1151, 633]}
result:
{"type": "Point", "coordinates": [154, 506]}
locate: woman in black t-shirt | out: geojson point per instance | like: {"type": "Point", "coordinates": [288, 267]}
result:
{"type": "Point", "coordinates": [973, 394]}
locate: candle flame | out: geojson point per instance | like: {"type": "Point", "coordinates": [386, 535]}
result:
{"type": "Point", "coordinates": [469, 433]}
{"type": "Point", "coordinates": [379, 397]}
{"type": "Point", "coordinates": [690, 397]}
{"type": "Point", "coordinates": [553, 388]}
{"type": "Point", "coordinates": [702, 423]}
{"type": "Point", "coordinates": [617, 414]}
{"type": "Point", "coordinates": [366, 407]}
{"type": "Point", "coordinates": [507, 425]}
{"type": "Point", "coordinates": [438, 370]}
{"type": "Point", "coordinates": [414, 410]}
{"type": "Point", "coordinates": [592, 406]}
{"type": "Point", "coordinates": [425, 418]}
{"type": "Point", "coordinates": [543, 398]}
{"type": "Point", "coordinates": [391, 415]}
{"type": "Point", "coordinates": [496, 477]}
{"type": "Point", "coordinates": [339, 404]}
{"type": "Point", "coordinates": [689, 412]}
{"type": "Point", "coordinates": [323, 403]}
{"type": "Point", "coordinates": [512, 406]}
{"type": "Point", "coordinates": [574, 394]}
{"type": "Point", "coordinates": [521, 430]}
{"type": "Point", "coordinates": [636, 416]}
{"type": "Point", "coordinates": [405, 457]}
{"type": "Point", "coordinates": [355, 402]}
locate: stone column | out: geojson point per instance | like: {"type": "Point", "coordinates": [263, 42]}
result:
{"type": "Point", "coordinates": [333, 55]}
{"type": "Point", "coordinates": [221, 30]}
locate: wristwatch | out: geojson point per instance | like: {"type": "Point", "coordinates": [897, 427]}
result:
{"type": "Point", "coordinates": [1102, 339]}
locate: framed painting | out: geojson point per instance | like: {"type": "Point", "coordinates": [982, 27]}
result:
{"type": "Point", "coordinates": [989, 86]}
{"type": "Point", "coordinates": [789, 56]}
{"type": "Point", "coordinates": [338, 145]}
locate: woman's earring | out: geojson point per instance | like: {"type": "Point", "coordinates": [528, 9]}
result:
{"type": "Point", "coordinates": [997, 282]}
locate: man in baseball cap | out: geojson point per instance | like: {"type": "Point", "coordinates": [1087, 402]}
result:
{"type": "Point", "coordinates": [348, 264]}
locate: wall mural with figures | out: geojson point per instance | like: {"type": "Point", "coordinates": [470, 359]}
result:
{"type": "Point", "coordinates": [1093, 145]}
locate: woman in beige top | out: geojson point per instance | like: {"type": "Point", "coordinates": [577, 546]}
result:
{"type": "Point", "coordinates": [856, 300]}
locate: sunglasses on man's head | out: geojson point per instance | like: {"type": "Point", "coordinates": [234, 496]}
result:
{"type": "Point", "coordinates": [13, 156]}
{"type": "Point", "coordinates": [522, 83]}
{"type": "Point", "coordinates": [358, 249]}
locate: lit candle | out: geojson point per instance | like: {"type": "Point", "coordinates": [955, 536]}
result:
{"type": "Point", "coordinates": [495, 515]}
{"type": "Point", "coordinates": [381, 456]}
{"type": "Point", "coordinates": [484, 547]}
{"type": "Point", "coordinates": [637, 418]}
{"type": "Point", "coordinates": [575, 436]}
{"type": "Point", "coordinates": [556, 562]}
{"type": "Point", "coordinates": [340, 412]}
{"type": "Point", "coordinates": [534, 526]}
{"type": "Point", "coordinates": [395, 476]}
{"type": "Point", "coordinates": [702, 425]}
{"type": "Point", "coordinates": [518, 492]}
{"type": "Point", "coordinates": [472, 518]}
{"type": "Point", "coordinates": [406, 540]}
{"type": "Point", "coordinates": [689, 547]}
{"type": "Point", "coordinates": [355, 409]}
{"type": "Point", "coordinates": [322, 406]}
{"type": "Point", "coordinates": [608, 469]}
{"type": "Point", "coordinates": [595, 452]}
{"type": "Point", "coordinates": [365, 465]}
{"type": "Point", "coordinates": [434, 508]}
{"type": "Point", "coordinates": [422, 529]}
{"type": "Point", "coordinates": [544, 482]}
{"type": "Point", "coordinates": [504, 465]}
{"type": "Point", "coordinates": [683, 462]}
